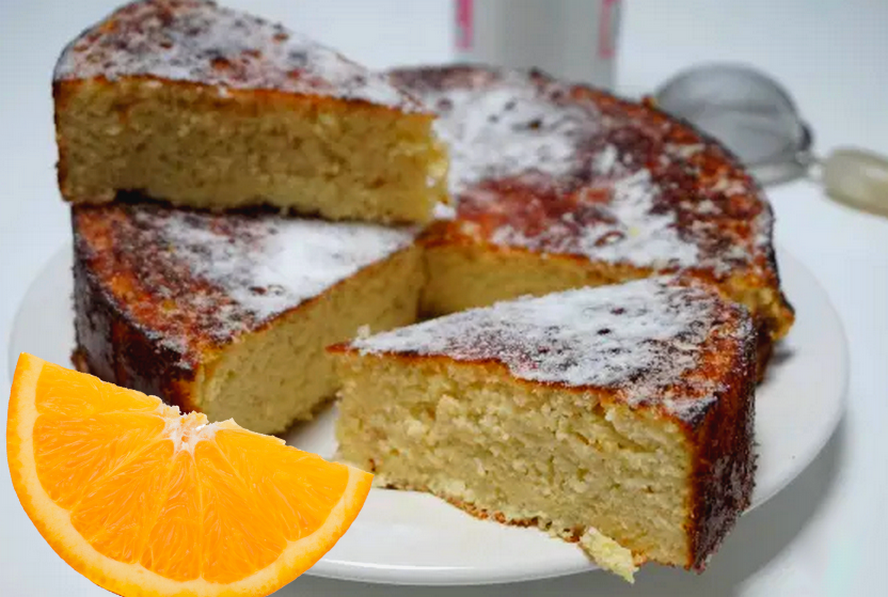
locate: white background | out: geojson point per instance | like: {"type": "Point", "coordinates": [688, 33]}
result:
{"type": "Point", "coordinates": [824, 534]}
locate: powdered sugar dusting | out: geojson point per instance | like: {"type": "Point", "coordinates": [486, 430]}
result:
{"type": "Point", "coordinates": [594, 177]}
{"type": "Point", "coordinates": [197, 41]}
{"type": "Point", "coordinates": [509, 128]}
{"type": "Point", "coordinates": [272, 264]}
{"type": "Point", "coordinates": [607, 160]}
{"type": "Point", "coordinates": [642, 337]}
{"type": "Point", "coordinates": [627, 231]}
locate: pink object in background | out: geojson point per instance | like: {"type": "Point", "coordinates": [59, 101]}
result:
{"type": "Point", "coordinates": [607, 28]}
{"type": "Point", "coordinates": [572, 39]}
{"type": "Point", "coordinates": [464, 24]}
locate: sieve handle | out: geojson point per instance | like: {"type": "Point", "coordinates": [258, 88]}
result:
{"type": "Point", "coordinates": [857, 178]}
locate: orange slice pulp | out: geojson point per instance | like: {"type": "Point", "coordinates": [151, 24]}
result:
{"type": "Point", "coordinates": [144, 501]}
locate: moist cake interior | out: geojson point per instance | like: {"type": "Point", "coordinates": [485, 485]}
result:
{"type": "Point", "coordinates": [208, 107]}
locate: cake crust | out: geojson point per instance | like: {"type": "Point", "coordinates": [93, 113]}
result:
{"type": "Point", "coordinates": [200, 43]}
{"type": "Point", "coordinates": [611, 187]}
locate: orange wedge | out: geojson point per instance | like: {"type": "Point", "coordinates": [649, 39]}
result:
{"type": "Point", "coordinates": [144, 501]}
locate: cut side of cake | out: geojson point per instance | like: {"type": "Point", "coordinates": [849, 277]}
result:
{"type": "Point", "coordinates": [208, 107]}
{"type": "Point", "coordinates": [618, 417]}
{"type": "Point", "coordinates": [561, 186]}
{"type": "Point", "coordinates": [230, 315]}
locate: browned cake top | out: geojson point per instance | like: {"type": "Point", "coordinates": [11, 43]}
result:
{"type": "Point", "coordinates": [557, 168]}
{"type": "Point", "coordinates": [658, 341]}
{"type": "Point", "coordinates": [199, 42]}
{"type": "Point", "coordinates": [194, 279]}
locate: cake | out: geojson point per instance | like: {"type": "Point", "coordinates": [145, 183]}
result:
{"type": "Point", "coordinates": [230, 314]}
{"type": "Point", "coordinates": [560, 186]}
{"type": "Point", "coordinates": [244, 198]}
{"type": "Point", "coordinates": [208, 107]}
{"type": "Point", "coordinates": [620, 417]}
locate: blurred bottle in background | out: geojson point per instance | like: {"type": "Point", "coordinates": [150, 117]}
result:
{"type": "Point", "coordinates": [571, 39]}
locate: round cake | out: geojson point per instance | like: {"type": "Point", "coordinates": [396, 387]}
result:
{"type": "Point", "coordinates": [614, 411]}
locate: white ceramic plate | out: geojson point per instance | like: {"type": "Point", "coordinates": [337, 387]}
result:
{"type": "Point", "coordinates": [411, 538]}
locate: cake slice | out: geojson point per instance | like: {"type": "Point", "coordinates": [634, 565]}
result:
{"type": "Point", "coordinates": [229, 314]}
{"type": "Point", "coordinates": [560, 186]}
{"type": "Point", "coordinates": [208, 107]}
{"type": "Point", "coordinates": [621, 413]}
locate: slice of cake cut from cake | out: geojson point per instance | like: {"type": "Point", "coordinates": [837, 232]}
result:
{"type": "Point", "coordinates": [559, 186]}
{"type": "Point", "coordinates": [230, 314]}
{"type": "Point", "coordinates": [208, 107]}
{"type": "Point", "coordinates": [622, 413]}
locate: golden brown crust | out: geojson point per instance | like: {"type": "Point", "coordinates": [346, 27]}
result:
{"type": "Point", "coordinates": [201, 43]}
{"type": "Point", "coordinates": [718, 224]}
{"type": "Point", "coordinates": [115, 315]}
{"type": "Point", "coordinates": [694, 178]}
{"type": "Point", "coordinates": [128, 281]}
{"type": "Point", "coordinates": [723, 475]}
{"type": "Point", "coordinates": [112, 346]}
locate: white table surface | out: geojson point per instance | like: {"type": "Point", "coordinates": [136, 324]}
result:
{"type": "Point", "coordinates": [824, 534]}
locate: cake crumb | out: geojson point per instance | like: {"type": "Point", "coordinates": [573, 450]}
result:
{"type": "Point", "coordinates": [609, 554]}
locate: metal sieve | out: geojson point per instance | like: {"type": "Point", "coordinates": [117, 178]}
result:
{"type": "Point", "coordinates": [757, 119]}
